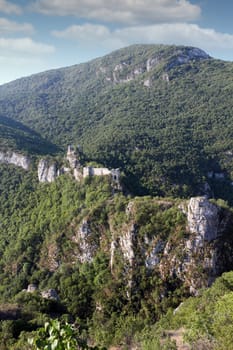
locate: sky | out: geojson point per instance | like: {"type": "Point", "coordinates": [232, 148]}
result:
{"type": "Point", "coordinates": [45, 34]}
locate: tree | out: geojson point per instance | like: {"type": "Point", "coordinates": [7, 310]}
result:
{"type": "Point", "coordinates": [55, 336]}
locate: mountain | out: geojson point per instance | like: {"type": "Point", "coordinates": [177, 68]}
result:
{"type": "Point", "coordinates": [163, 114]}
{"type": "Point", "coordinates": [113, 265]}
{"type": "Point", "coordinates": [127, 270]}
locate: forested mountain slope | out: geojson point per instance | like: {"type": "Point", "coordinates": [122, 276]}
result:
{"type": "Point", "coordinates": [82, 250]}
{"type": "Point", "coordinates": [16, 136]}
{"type": "Point", "coordinates": [163, 114]}
{"type": "Point", "coordinates": [110, 264]}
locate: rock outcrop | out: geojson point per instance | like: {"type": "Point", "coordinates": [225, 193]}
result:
{"type": "Point", "coordinates": [203, 218]}
{"type": "Point", "coordinates": [127, 71]}
{"type": "Point", "coordinates": [186, 56]}
{"type": "Point", "coordinates": [198, 259]}
{"type": "Point", "coordinates": [16, 159]}
{"type": "Point", "coordinates": [127, 244]}
{"type": "Point", "coordinates": [47, 172]}
{"type": "Point", "coordinates": [50, 294]}
{"type": "Point", "coordinates": [85, 240]}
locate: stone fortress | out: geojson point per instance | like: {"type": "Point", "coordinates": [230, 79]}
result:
{"type": "Point", "coordinates": [49, 171]}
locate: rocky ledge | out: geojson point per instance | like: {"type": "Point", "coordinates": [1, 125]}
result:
{"type": "Point", "coordinates": [15, 159]}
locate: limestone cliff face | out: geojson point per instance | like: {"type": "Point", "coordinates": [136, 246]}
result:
{"type": "Point", "coordinates": [15, 159]}
{"type": "Point", "coordinates": [199, 258]}
{"type": "Point", "coordinates": [203, 218]}
{"type": "Point", "coordinates": [190, 243]}
{"type": "Point", "coordinates": [86, 246]}
{"type": "Point", "coordinates": [126, 71]}
{"type": "Point", "coordinates": [47, 172]}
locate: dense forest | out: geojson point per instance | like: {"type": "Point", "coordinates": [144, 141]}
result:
{"type": "Point", "coordinates": [163, 114]}
{"type": "Point", "coordinates": [84, 265]}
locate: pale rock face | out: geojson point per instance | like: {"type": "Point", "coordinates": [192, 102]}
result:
{"type": "Point", "coordinates": [86, 247]}
{"type": "Point", "coordinates": [32, 288]}
{"type": "Point", "coordinates": [127, 244]}
{"type": "Point", "coordinates": [203, 218]}
{"type": "Point", "coordinates": [15, 159]}
{"type": "Point", "coordinates": [185, 57]}
{"type": "Point", "coordinates": [47, 172]}
{"type": "Point", "coordinates": [153, 258]}
{"type": "Point", "coordinates": [196, 260]}
{"type": "Point", "coordinates": [151, 62]}
{"type": "Point", "coordinates": [50, 294]}
{"type": "Point", "coordinates": [112, 253]}
{"type": "Point", "coordinates": [147, 83]}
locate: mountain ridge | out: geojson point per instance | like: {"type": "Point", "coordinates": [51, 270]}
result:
{"type": "Point", "coordinates": [120, 268]}
{"type": "Point", "coordinates": [160, 113]}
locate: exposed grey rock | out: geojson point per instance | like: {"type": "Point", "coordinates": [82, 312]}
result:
{"type": "Point", "coordinates": [32, 288]}
{"type": "Point", "coordinates": [198, 259]}
{"type": "Point", "coordinates": [152, 62]}
{"type": "Point", "coordinates": [113, 248]}
{"type": "Point", "coordinates": [153, 257]}
{"type": "Point", "coordinates": [185, 56]}
{"type": "Point", "coordinates": [127, 244]}
{"type": "Point", "coordinates": [203, 218]}
{"type": "Point", "coordinates": [47, 172]}
{"type": "Point", "coordinates": [15, 159]}
{"type": "Point", "coordinates": [86, 245]}
{"type": "Point", "coordinates": [147, 83]}
{"type": "Point", "coordinates": [50, 294]}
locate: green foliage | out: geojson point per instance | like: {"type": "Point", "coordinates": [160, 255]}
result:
{"type": "Point", "coordinates": [55, 336]}
{"type": "Point", "coordinates": [166, 138]}
{"type": "Point", "coordinates": [16, 136]}
{"type": "Point", "coordinates": [223, 322]}
{"type": "Point", "coordinates": [40, 226]}
{"type": "Point", "coordinates": [206, 318]}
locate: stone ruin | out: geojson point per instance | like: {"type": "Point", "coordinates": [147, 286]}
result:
{"type": "Point", "coordinates": [49, 171]}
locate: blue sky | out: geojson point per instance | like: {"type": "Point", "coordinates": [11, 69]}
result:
{"type": "Point", "coordinates": [45, 34]}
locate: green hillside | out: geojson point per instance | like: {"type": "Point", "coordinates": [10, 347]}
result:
{"type": "Point", "coordinates": [95, 249]}
{"type": "Point", "coordinates": [163, 114]}
{"type": "Point", "coordinates": [127, 267]}
{"type": "Point", "coordinates": [16, 136]}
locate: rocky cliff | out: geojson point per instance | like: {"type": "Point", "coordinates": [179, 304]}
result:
{"type": "Point", "coordinates": [189, 244]}
{"type": "Point", "coordinates": [126, 71]}
{"type": "Point", "coordinates": [47, 172]}
{"type": "Point", "coordinates": [16, 159]}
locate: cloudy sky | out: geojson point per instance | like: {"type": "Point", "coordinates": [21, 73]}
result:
{"type": "Point", "coordinates": [43, 34]}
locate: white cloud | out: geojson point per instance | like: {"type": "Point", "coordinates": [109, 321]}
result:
{"type": "Point", "coordinates": [167, 33]}
{"type": "Point", "coordinates": [22, 57]}
{"type": "Point", "coordinates": [7, 26]}
{"type": "Point", "coordinates": [122, 11]}
{"type": "Point", "coordinates": [16, 67]}
{"type": "Point", "coordinates": [25, 46]}
{"type": "Point", "coordinates": [9, 8]}
{"type": "Point", "coordinates": [88, 31]}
